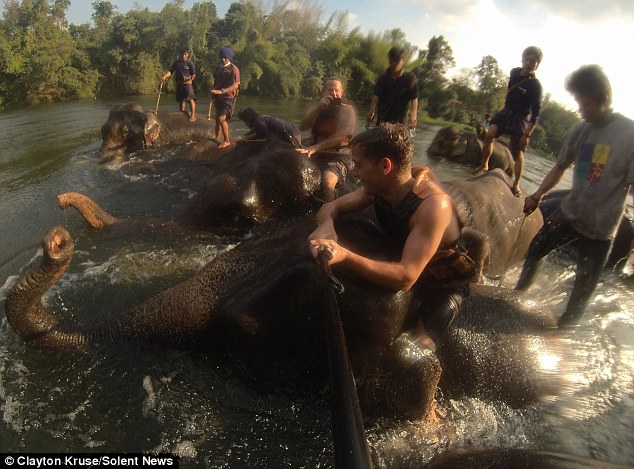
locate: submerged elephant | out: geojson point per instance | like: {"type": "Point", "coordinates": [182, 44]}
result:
{"type": "Point", "coordinates": [130, 128]}
{"type": "Point", "coordinates": [264, 299]}
{"type": "Point", "coordinates": [247, 192]}
{"type": "Point", "coordinates": [244, 186]}
{"type": "Point", "coordinates": [465, 148]}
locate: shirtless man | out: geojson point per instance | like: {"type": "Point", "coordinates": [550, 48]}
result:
{"type": "Point", "coordinates": [332, 123]}
{"type": "Point", "coordinates": [416, 213]}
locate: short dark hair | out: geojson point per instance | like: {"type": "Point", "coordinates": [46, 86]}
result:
{"type": "Point", "coordinates": [396, 54]}
{"type": "Point", "coordinates": [387, 140]}
{"type": "Point", "coordinates": [534, 50]}
{"type": "Point", "coordinates": [590, 81]}
{"type": "Point", "coordinates": [185, 50]}
{"type": "Point", "coordinates": [248, 116]}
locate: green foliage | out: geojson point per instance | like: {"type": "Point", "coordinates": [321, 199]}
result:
{"type": "Point", "coordinates": [283, 50]}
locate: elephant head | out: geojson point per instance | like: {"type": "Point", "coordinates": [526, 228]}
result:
{"type": "Point", "coordinates": [124, 131]}
{"type": "Point", "coordinates": [464, 147]}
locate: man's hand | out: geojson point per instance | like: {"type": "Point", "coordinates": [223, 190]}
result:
{"type": "Point", "coordinates": [337, 252]}
{"type": "Point", "coordinates": [308, 151]}
{"type": "Point", "coordinates": [325, 101]}
{"type": "Point", "coordinates": [530, 204]}
{"type": "Point", "coordinates": [216, 92]}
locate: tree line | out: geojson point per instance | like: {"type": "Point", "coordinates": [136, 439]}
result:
{"type": "Point", "coordinates": [282, 51]}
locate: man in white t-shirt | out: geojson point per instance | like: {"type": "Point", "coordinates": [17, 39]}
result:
{"type": "Point", "coordinates": [601, 147]}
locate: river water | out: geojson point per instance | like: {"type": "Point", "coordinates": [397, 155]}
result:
{"type": "Point", "coordinates": [147, 399]}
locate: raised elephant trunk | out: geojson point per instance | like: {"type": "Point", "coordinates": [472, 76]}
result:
{"type": "Point", "coordinates": [24, 309]}
{"type": "Point", "coordinates": [92, 213]}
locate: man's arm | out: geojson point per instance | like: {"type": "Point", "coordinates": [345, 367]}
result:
{"type": "Point", "coordinates": [429, 223]}
{"type": "Point", "coordinates": [413, 117]}
{"type": "Point", "coordinates": [550, 180]}
{"type": "Point", "coordinates": [326, 215]}
{"type": "Point", "coordinates": [373, 104]}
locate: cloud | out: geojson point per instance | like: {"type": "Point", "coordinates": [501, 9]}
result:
{"type": "Point", "coordinates": [584, 11]}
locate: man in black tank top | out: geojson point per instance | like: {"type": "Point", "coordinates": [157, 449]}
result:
{"type": "Point", "coordinates": [416, 214]}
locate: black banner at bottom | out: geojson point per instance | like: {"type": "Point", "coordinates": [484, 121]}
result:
{"type": "Point", "coordinates": [50, 460]}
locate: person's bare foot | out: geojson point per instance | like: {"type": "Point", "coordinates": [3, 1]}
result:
{"type": "Point", "coordinates": [224, 144]}
{"type": "Point", "coordinates": [517, 192]}
{"type": "Point", "coordinates": [192, 119]}
{"type": "Point", "coordinates": [480, 170]}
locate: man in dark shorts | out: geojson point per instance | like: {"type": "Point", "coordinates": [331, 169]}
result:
{"type": "Point", "coordinates": [416, 214]}
{"type": "Point", "coordinates": [265, 127]}
{"type": "Point", "coordinates": [225, 90]}
{"type": "Point", "coordinates": [332, 123]}
{"type": "Point", "coordinates": [519, 116]}
{"type": "Point", "coordinates": [394, 90]}
{"type": "Point", "coordinates": [184, 72]}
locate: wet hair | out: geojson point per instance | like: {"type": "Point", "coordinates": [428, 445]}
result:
{"type": "Point", "coordinates": [248, 116]}
{"type": "Point", "coordinates": [387, 140]}
{"type": "Point", "coordinates": [533, 50]}
{"type": "Point", "coordinates": [591, 82]}
{"type": "Point", "coordinates": [396, 53]}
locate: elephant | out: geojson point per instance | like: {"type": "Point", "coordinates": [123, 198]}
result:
{"type": "Point", "coordinates": [260, 297]}
{"type": "Point", "coordinates": [248, 190]}
{"type": "Point", "coordinates": [622, 244]}
{"type": "Point", "coordinates": [465, 148]}
{"type": "Point", "coordinates": [236, 188]}
{"type": "Point", "coordinates": [130, 128]}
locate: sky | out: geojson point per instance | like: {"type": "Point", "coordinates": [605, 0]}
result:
{"type": "Point", "coordinates": [571, 33]}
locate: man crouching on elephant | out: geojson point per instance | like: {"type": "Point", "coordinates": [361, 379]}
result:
{"type": "Point", "coordinates": [416, 213]}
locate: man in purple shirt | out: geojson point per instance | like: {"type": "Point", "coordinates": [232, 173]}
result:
{"type": "Point", "coordinates": [225, 90]}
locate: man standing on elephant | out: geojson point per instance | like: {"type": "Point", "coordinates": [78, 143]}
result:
{"type": "Point", "coordinates": [394, 90]}
{"type": "Point", "coordinates": [185, 73]}
{"type": "Point", "coordinates": [225, 91]}
{"type": "Point", "coordinates": [519, 116]}
{"type": "Point", "coordinates": [416, 213]}
{"type": "Point", "coordinates": [601, 148]}
{"type": "Point", "coordinates": [332, 123]}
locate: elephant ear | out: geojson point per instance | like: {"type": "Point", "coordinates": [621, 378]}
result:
{"type": "Point", "coordinates": [478, 248]}
{"type": "Point", "coordinates": [152, 129]}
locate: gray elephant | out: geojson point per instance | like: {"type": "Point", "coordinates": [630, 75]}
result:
{"type": "Point", "coordinates": [465, 148]}
{"type": "Point", "coordinates": [245, 191]}
{"type": "Point", "coordinates": [130, 128]}
{"type": "Point", "coordinates": [240, 187]}
{"type": "Point", "coordinates": [258, 298]}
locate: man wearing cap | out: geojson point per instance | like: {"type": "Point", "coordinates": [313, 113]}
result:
{"type": "Point", "coordinates": [185, 72]}
{"type": "Point", "coordinates": [225, 90]}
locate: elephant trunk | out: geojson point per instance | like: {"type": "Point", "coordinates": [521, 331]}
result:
{"type": "Point", "coordinates": [37, 326]}
{"type": "Point", "coordinates": [92, 213]}
{"type": "Point", "coordinates": [153, 321]}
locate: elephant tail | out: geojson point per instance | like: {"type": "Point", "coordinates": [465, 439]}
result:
{"type": "Point", "coordinates": [92, 213]}
{"type": "Point", "coordinates": [28, 317]}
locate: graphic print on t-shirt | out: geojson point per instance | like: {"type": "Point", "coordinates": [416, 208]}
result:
{"type": "Point", "coordinates": [592, 161]}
